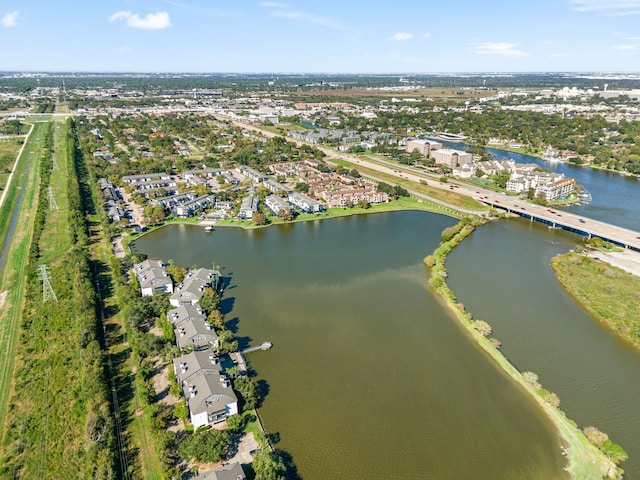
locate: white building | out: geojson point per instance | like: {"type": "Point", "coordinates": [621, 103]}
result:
{"type": "Point", "coordinates": [558, 189]}
{"type": "Point", "coordinates": [207, 391]}
{"type": "Point", "coordinates": [152, 277]}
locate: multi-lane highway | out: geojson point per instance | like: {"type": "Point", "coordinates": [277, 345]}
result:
{"type": "Point", "coordinates": [554, 217]}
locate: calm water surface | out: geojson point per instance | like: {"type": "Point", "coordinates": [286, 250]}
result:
{"type": "Point", "coordinates": [369, 377]}
{"type": "Point", "coordinates": [502, 274]}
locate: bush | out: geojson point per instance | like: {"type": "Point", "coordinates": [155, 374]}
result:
{"type": "Point", "coordinates": [595, 436]}
{"type": "Point", "coordinates": [205, 446]}
{"type": "Point", "coordinates": [482, 327]}
{"type": "Point", "coordinates": [235, 423]}
{"type": "Point", "coordinates": [531, 378]}
{"type": "Point", "coordinates": [614, 451]}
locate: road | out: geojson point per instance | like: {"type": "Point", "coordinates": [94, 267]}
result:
{"type": "Point", "coordinates": [555, 218]}
{"type": "Point", "coordinates": [628, 260]}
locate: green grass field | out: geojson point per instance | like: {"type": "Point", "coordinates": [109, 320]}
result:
{"type": "Point", "coordinates": [57, 225]}
{"type": "Point", "coordinates": [611, 295]}
{"type": "Point", "coordinates": [9, 148]}
{"type": "Point", "coordinates": [13, 276]}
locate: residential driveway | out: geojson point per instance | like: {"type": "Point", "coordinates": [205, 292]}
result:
{"type": "Point", "coordinates": [247, 445]}
{"type": "Point", "coordinates": [118, 247]}
{"type": "Point", "coordinates": [134, 208]}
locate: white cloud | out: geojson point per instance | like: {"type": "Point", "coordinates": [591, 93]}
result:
{"type": "Point", "coordinates": [402, 36]}
{"type": "Point", "coordinates": [498, 48]}
{"type": "Point", "coordinates": [426, 35]}
{"type": "Point", "coordinates": [272, 4]}
{"type": "Point", "coordinates": [10, 19]}
{"type": "Point", "coordinates": [153, 21]}
{"type": "Point", "coordinates": [607, 7]}
{"type": "Point", "coordinates": [124, 49]}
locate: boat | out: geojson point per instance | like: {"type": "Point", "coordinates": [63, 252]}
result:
{"type": "Point", "coordinates": [585, 197]}
{"type": "Point", "coordinates": [208, 229]}
{"type": "Point", "coordinates": [551, 155]}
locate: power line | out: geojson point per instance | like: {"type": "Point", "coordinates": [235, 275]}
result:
{"type": "Point", "coordinates": [52, 200]}
{"type": "Point", "coordinates": [47, 289]}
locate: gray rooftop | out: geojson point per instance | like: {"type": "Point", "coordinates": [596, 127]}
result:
{"type": "Point", "coordinates": [196, 333]}
{"type": "Point", "coordinates": [232, 471]}
{"type": "Point", "coordinates": [207, 392]}
{"type": "Point", "coordinates": [184, 313]}
{"type": "Point", "coordinates": [195, 362]}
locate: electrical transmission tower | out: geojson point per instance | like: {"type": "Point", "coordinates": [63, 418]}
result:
{"type": "Point", "coordinates": [52, 200]}
{"type": "Point", "coordinates": [53, 160]}
{"type": "Point", "coordinates": [47, 289]}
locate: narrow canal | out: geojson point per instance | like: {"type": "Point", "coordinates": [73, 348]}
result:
{"type": "Point", "coordinates": [502, 274]}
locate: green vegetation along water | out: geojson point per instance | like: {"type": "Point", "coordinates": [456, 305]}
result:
{"type": "Point", "coordinates": [370, 377]}
{"type": "Point", "coordinates": [502, 273]}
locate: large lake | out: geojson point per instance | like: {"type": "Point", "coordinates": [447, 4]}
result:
{"type": "Point", "coordinates": [370, 377]}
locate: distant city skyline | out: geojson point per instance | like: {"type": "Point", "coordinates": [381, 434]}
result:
{"type": "Point", "coordinates": [208, 36]}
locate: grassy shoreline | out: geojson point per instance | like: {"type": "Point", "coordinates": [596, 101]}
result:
{"type": "Point", "coordinates": [615, 304]}
{"type": "Point", "coordinates": [402, 204]}
{"type": "Point", "coordinates": [585, 461]}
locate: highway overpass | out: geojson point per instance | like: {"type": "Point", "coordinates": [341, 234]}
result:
{"type": "Point", "coordinates": [557, 218]}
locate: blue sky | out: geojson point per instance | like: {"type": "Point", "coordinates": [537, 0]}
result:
{"type": "Point", "coordinates": [331, 36]}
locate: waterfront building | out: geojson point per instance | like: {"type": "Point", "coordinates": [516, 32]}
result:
{"type": "Point", "coordinates": [172, 201]}
{"type": "Point", "coordinates": [208, 392]}
{"type": "Point", "coordinates": [196, 334]}
{"type": "Point", "coordinates": [191, 290]}
{"type": "Point", "coordinates": [248, 207]}
{"type": "Point", "coordinates": [558, 189]}
{"type": "Point", "coordinates": [191, 207]}
{"type": "Point", "coordinates": [185, 313]}
{"type": "Point", "coordinates": [276, 204]}
{"type": "Point", "coordinates": [305, 203]}
{"type": "Point", "coordinates": [152, 277]}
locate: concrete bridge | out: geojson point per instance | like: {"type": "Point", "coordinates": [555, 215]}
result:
{"type": "Point", "coordinates": [557, 218]}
